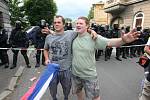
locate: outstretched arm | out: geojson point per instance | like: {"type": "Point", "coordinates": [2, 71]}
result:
{"type": "Point", "coordinates": [126, 38]}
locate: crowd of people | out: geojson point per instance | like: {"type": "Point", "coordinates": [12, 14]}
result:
{"type": "Point", "coordinates": [69, 49]}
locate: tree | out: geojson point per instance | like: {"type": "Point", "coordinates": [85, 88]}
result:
{"type": "Point", "coordinates": [15, 11]}
{"type": "Point", "coordinates": [40, 9]}
{"type": "Point", "coordinates": [91, 13]}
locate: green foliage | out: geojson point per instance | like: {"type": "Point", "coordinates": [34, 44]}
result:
{"type": "Point", "coordinates": [14, 10]}
{"type": "Point", "coordinates": [17, 12]}
{"type": "Point", "coordinates": [40, 9]}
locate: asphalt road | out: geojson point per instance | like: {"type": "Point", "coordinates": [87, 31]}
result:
{"type": "Point", "coordinates": [120, 80]}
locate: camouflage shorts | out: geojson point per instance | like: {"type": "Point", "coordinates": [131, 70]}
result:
{"type": "Point", "coordinates": [91, 86]}
{"type": "Point", "coordinates": [146, 91]}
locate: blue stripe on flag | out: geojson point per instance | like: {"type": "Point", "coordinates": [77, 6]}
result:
{"type": "Point", "coordinates": [50, 70]}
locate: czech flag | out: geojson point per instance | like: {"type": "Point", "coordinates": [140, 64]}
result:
{"type": "Point", "coordinates": [40, 86]}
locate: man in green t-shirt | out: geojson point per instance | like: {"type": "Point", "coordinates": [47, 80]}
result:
{"type": "Point", "coordinates": [83, 63]}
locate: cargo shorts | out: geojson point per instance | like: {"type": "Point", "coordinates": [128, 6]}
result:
{"type": "Point", "coordinates": [146, 91]}
{"type": "Point", "coordinates": [90, 86]}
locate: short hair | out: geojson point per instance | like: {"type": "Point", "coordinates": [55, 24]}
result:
{"type": "Point", "coordinates": [85, 19]}
{"type": "Point", "coordinates": [59, 16]}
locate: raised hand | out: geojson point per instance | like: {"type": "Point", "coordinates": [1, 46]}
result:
{"type": "Point", "coordinates": [131, 36]}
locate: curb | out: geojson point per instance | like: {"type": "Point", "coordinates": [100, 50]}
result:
{"type": "Point", "coordinates": [12, 84]}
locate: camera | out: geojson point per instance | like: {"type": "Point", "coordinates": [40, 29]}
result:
{"type": "Point", "coordinates": [43, 24]}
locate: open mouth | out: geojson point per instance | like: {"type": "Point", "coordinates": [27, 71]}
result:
{"type": "Point", "coordinates": [78, 28]}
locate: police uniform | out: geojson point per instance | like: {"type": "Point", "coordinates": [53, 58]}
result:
{"type": "Point", "coordinates": [3, 52]}
{"type": "Point", "coordinates": [18, 39]}
{"type": "Point", "coordinates": [39, 44]}
{"type": "Point", "coordinates": [116, 34]}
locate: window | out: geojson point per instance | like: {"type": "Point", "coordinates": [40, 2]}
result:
{"type": "Point", "coordinates": [138, 19]}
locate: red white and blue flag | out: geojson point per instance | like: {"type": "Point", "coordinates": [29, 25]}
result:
{"type": "Point", "coordinates": [40, 86]}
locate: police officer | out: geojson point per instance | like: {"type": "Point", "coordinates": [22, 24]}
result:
{"type": "Point", "coordinates": [140, 41]}
{"type": "Point", "coordinates": [3, 52]}
{"type": "Point", "coordinates": [123, 49]}
{"type": "Point", "coordinates": [108, 50]}
{"type": "Point", "coordinates": [128, 49]}
{"type": "Point", "coordinates": [116, 34]}
{"type": "Point", "coordinates": [39, 44]}
{"type": "Point", "coordinates": [18, 39]}
{"type": "Point", "coordinates": [68, 26]}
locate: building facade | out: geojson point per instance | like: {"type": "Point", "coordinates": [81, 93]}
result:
{"type": "Point", "coordinates": [4, 15]}
{"type": "Point", "coordinates": [131, 13]}
{"type": "Point", "coordinates": [100, 17]}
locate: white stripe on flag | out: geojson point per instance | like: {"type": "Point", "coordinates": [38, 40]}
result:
{"type": "Point", "coordinates": [43, 89]}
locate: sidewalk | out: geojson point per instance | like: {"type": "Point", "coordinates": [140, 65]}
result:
{"type": "Point", "coordinates": [6, 74]}
{"type": "Point", "coordinates": [8, 80]}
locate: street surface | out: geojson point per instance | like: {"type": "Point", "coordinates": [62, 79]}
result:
{"type": "Point", "coordinates": [119, 80]}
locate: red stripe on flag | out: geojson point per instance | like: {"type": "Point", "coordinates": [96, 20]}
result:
{"type": "Point", "coordinates": [29, 92]}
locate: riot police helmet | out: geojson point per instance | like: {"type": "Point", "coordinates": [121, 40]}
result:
{"type": "Point", "coordinates": [116, 26]}
{"type": "Point", "coordinates": [18, 24]}
{"type": "Point", "coordinates": [106, 27]}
